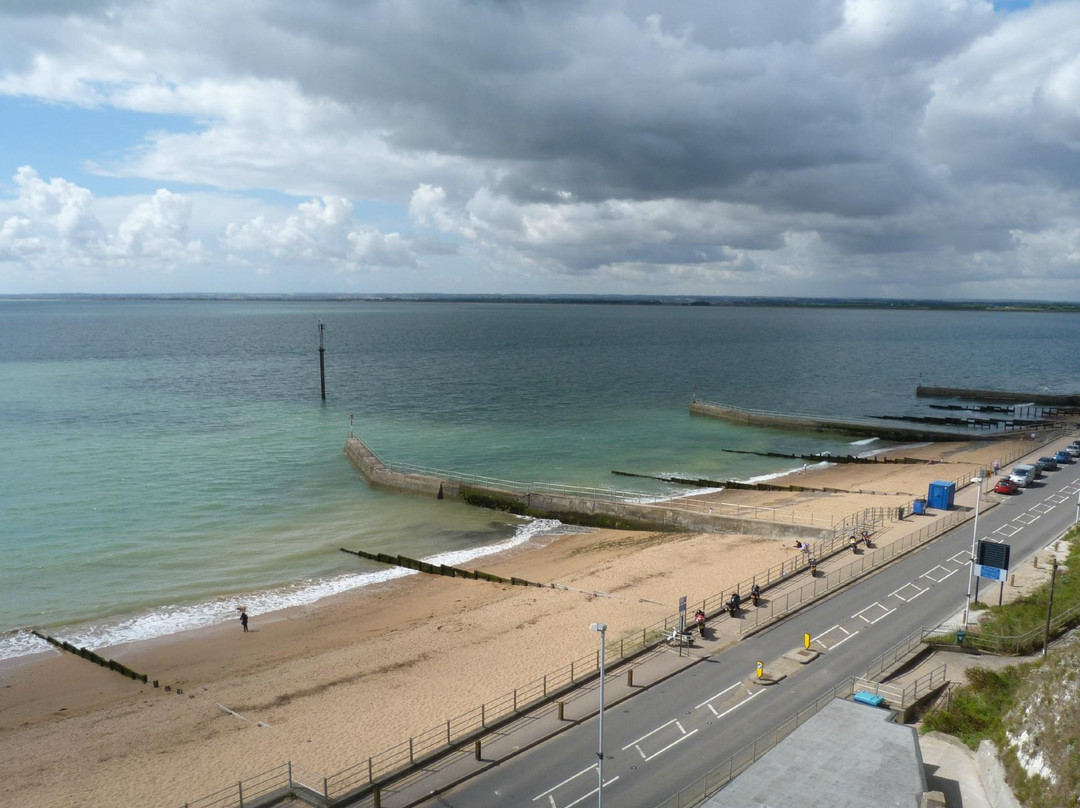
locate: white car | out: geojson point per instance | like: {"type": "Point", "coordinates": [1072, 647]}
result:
{"type": "Point", "coordinates": [1023, 475]}
{"type": "Point", "coordinates": [1073, 450]}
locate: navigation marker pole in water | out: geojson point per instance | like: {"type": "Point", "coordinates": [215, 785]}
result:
{"type": "Point", "coordinates": [322, 361]}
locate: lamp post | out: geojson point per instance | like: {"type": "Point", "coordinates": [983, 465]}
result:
{"type": "Point", "coordinates": [602, 628]}
{"type": "Point", "coordinates": [974, 538]}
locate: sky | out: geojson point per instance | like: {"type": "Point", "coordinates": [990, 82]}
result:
{"type": "Point", "coordinates": [818, 148]}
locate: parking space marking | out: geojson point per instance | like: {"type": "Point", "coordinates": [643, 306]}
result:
{"type": "Point", "coordinates": [707, 702]}
{"type": "Point", "coordinates": [1070, 489]}
{"type": "Point", "coordinates": [550, 792]}
{"type": "Point", "coordinates": [734, 707]}
{"type": "Point", "coordinates": [995, 541]}
{"type": "Point", "coordinates": [847, 636]}
{"type": "Point", "coordinates": [963, 557]}
{"type": "Point", "coordinates": [1008, 530]}
{"type": "Point", "coordinates": [885, 612]}
{"type": "Point", "coordinates": [907, 597]}
{"type": "Point", "coordinates": [933, 572]}
{"type": "Point", "coordinates": [636, 744]}
{"type": "Point", "coordinates": [1057, 499]}
{"type": "Point", "coordinates": [1026, 518]}
{"type": "Point", "coordinates": [1041, 508]}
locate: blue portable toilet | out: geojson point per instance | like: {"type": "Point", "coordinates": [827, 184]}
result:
{"type": "Point", "coordinates": [941, 495]}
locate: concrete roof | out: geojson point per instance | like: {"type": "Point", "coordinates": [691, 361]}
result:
{"type": "Point", "coordinates": [848, 755]}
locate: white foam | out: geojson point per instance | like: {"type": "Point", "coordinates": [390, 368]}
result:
{"type": "Point", "coordinates": [862, 442]}
{"type": "Point", "coordinates": [21, 642]}
{"type": "Point", "coordinates": [175, 618]}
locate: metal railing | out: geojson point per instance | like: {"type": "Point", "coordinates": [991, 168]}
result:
{"type": "Point", "coordinates": [266, 786]}
{"type": "Point", "coordinates": [776, 607]}
{"type": "Point", "coordinates": [1018, 644]}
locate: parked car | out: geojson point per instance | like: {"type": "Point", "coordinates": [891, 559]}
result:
{"type": "Point", "coordinates": [1047, 463]}
{"type": "Point", "coordinates": [1073, 450]}
{"type": "Point", "coordinates": [1006, 486]}
{"type": "Point", "coordinates": [1062, 456]}
{"type": "Point", "coordinates": [1023, 475]}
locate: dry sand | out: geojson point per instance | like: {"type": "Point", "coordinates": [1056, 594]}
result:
{"type": "Point", "coordinates": [328, 685]}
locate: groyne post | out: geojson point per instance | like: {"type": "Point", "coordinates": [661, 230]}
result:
{"type": "Point", "coordinates": [322, 362]}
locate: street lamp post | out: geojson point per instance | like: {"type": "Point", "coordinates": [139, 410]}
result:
{"type": "Point", "coordinates": [974, 539]}
{"type": "Point", "coordinates": [602, 628]}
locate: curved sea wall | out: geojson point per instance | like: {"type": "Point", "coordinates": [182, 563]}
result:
{"type": "Point", "coordinates": [570, 508]}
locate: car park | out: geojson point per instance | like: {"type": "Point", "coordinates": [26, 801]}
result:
{"type": "Point", "coordinates": [1006, 486]}
{"type": "Point", "coordinates": [1062, 456]}
{"type": "Point", "coordinates": [1047, 463]}
{"type": "Point", "coordinates": [1023, 475]}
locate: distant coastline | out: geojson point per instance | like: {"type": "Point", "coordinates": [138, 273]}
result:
{"type": "Point", "coordinates": [597, 300]}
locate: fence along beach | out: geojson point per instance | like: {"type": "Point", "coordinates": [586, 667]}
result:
{"type": "Point", "coordinates": [327, 686]}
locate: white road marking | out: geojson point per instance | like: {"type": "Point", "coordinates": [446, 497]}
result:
{"type": "Point", "coordinates": [1026, 518]}
{"type": "Point", "coordinates": [737, 706]}
{"type": "Point", "coordinates": [907, 597]}
{"type": "Point", "coordinates": [549, 792]}
{"type": "Point", "coordinates": [1057, 499]}
{"type": "Point", "coordinates": [1042, 508]}
{"type": "Point", "coordinates": [647, 758]}
{"type": "Point", "coordinates": [962, 558]}
{"type": "Point", "coordinates": [1008, 530]}
{"type": "Point", "coordinates": [718, 695]}
{"type": "Point", "coordinates": [934, 570]}
{"type": "Point", "coordinates": [827, 647]}
{"type": "Point", "coordinates": [886, 613]}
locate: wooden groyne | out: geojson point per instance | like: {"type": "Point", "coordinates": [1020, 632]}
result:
{"type": "Point", "coordinates": [839, 426]}
{"type": "Point", "coordinates": [441, 569]}
{"type": "Point", "coordinates": [841, 459]}
{"type": "Point", "coordinates": [1061, 400]}
{"type": "Point", "coordinates": [575, 508]}
{"type": "Point", "coordinates": [89, 655]}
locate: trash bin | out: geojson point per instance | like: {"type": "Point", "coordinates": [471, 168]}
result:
{"type": "Point", "coordinates": [919, 506]}
{"type": "Point", "coordinates": [960, 635]}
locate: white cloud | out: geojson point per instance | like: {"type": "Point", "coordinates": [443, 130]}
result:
{"type": "Point", "coordinates": [321, 232]}
{"type": "Point", "coordinates": [848, 146]}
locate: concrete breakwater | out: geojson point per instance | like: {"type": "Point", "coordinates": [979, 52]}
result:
{"type": "Point", "coordinates": [1061, 400]}
{"type": "Point", "coordinates": [601, 510]}
{"type": "Point", "coordinates": [861, 427]}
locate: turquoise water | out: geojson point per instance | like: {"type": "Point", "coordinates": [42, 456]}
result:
{"type": "Point", "coordinates": [165, 460]}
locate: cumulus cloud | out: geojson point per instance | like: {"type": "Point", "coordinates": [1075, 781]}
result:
{"type": "Point", "coordinates": [844, 146]}
{"type": "Point", "coordinates": [54, 225]}
{"type": "Point", "coordinates": [321, 232]}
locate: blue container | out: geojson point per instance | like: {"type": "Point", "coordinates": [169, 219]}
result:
{"type": "Point", "coordinates": [941, 495]}
{"type": "Point", "coordinates": [919, 507]}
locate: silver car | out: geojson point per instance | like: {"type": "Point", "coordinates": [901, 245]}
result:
{"type": "Point", "coordinates": [1023, 475]}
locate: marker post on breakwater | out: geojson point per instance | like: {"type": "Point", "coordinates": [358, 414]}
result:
{"type": "Point", "coordinates": [322, 361]}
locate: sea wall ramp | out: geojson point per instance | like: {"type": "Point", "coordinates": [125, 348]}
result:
{"type": "Point", "coordinates": [594, 508]}
{"type": "Point", "coordinates": [861, 427]}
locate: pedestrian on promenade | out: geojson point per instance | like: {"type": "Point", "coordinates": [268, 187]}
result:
{"type": "Point", "coordinates": [997, 467]}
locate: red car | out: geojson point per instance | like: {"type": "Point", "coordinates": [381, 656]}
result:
{"type": "Point", "coordinates": [1006, 486]}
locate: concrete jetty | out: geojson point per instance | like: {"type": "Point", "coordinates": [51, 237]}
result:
{"type": "Point", "coordinates": [861, 427]}
{"type": "Point", "coordinates": [594, 508]}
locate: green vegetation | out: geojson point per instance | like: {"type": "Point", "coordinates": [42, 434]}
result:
{"type": "Point", "coordinates": [976, 710]}
{"type": "Point", "coordinates": [1030, 711]}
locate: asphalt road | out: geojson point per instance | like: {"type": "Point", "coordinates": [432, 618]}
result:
{"type": "Point", "coordinates": [665, 738]}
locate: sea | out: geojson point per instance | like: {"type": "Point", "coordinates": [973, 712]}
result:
{"type": "Point", "coordinates": [163, 460]}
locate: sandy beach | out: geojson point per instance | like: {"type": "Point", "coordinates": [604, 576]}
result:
{"type": "Point", "coordinates": [326, 686]}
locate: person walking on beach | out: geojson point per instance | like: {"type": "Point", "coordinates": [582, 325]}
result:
{"type": "Point", "coordinates": [244, 620]}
